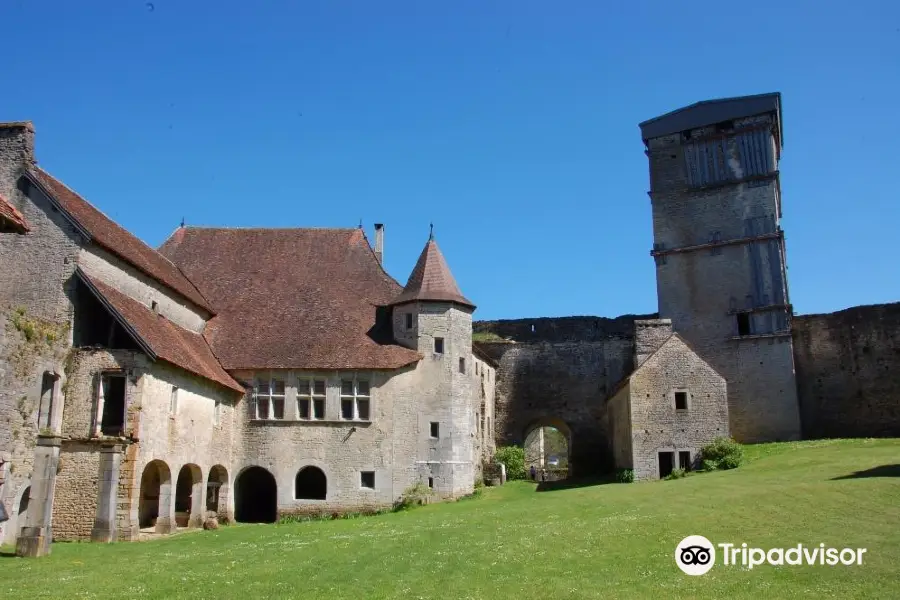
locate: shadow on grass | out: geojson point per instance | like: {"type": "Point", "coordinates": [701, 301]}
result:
{"type": "Point", "coordinates": [7, 553]}
{"type": "Point", "coordinates": [573, 483]}
{"type": "Point", "coordinates": [882, 471]}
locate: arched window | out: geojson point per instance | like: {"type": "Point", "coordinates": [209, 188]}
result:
{"type": "Point", "coordinates": [310, 484]}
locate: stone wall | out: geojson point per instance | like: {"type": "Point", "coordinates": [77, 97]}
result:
{"type": "Point", "coordinates": [847, 364]}
{"type": "Point", "coordinates": [75, 500]}
{"type": "Point", "coordinates": [560, 374]}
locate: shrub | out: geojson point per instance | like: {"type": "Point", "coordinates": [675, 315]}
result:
{"type": "Point", "coordinates": [514, 459]}
{"type": "Point", "coordinates": [721, 453]}
{"type": "Point", "coordinates": [625, 476]}
{"type": "Point", "coordinates": [676, 474]}
{"type": "Point", "coordinates": [414, 495]}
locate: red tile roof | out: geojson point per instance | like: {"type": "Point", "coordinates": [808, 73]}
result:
{"type": "Point", "coordinates": [292, 298]}
{"type": "Point", "coordinates": [163, 338]}
{"type": "Point", "coordinates": [11, 215]}
{"type": "Point", "coordinates": [431, 279]}
{"type": "Point", "coordinates": [106, 233]}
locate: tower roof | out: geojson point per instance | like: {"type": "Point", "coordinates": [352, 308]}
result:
{"type": "Point", "coordinates": [431, 279]}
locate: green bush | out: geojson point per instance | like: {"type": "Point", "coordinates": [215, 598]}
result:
{"type": "Point", "coordinates": [625, 476]}
{"type": "Point", "coordinates": [414, 495]}
{"type": "Point", "coordinates": [514, 459]}
{"type": "Point", "coordinates": [676, 474]}
{"type": "Point", "coordinates": [721, 453]}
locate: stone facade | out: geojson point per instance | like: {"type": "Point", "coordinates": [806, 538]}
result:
{"type": "Point", "coordinates": [670, 406]}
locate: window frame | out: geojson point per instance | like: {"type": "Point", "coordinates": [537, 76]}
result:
{"type": "Point", "coordinates": [409, 321]}
{"type": "Point", "coordinates": [355, 397]}
{"type": "Point", "coordinates": [173, 401]}
{"type": "Point", "coordinates": [362, 481]}
{"type": "Point", "coordinates": [439, 341]}
{"type": "Point", "coordinates": [100, 401]}
{"type": "Point", "coordinates": [434, 426]}
{"type": "Point", "coordinates": [462, 365]}
{"type": "Point", "coordinates": [270, 397]}
{"type": "Point", "coordinates": [313, 398]}
{"type": "Point", "coordinates": [687, 400]}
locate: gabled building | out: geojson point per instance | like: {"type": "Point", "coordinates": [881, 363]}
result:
{"type": "Point", "coordinates": [247, 373]}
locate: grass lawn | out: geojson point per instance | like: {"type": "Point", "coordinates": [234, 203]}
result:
{"type": "Point", "coordinates": [601, 541]}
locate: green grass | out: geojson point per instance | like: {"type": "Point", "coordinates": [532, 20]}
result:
{"type": "Point", "coordinates": [601, 541]}
{"type": "Point", "coordinates": [486, 336]}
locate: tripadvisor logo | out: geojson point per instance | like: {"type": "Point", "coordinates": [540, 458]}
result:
{"type": "Point", "coordinates": [696, 555]}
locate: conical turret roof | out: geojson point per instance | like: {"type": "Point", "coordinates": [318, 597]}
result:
{"type": "Point", "coordinates": [431, 279]}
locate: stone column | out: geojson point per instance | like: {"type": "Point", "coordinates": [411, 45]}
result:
{"type": "Point", "coordinates": [34, 538]}
{"type": "Point", "coordinates": [107, 501]}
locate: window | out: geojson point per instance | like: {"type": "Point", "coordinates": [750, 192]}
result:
{"type": "Point", "coordinates": [476, 367]}
{"type": "Point", "coordinates": [173, 401]}
{"type": "Point", "coordinates": [355, 400]}
{"type": "Point", "coordinates": [111, 404]}
{"type": "Point", "coordinates": [431, 482]}
{"type": "Point", "coordinates": [217, 412]}
{"type": "Point", "coordinates": [684, 460]}
{"type": "Point", "coordinates": [743, 324]}
{"type": "Point", "coordinates": [438, 345]}
{"type": "Point", "coordinates": [665, 463]}
{"type": "Point", "coordinates": [367, 479]}
{"type": "Point", "coordinates": [435, 430]}
{"type": "Point", "coordinates": [681, 400]}
{"type": "Point", "coordinates": [462, 365]}
{"type": "Point", "coordinates": [311, 399]}
{"type": "Point", "coordinates": [409, 323]}
{"type": "Point", "coordinates": [269, 399]}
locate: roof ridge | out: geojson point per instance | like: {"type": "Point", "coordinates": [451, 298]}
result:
{"type": "Point", "coordinates": [255, 228]}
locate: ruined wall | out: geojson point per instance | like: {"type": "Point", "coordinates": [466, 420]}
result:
{"type": "Point", "coordinates": [483, 402]}
{"type": "Point", "coordinates": [847, 372]}
{"type": "Point", "coordinates": [560, 371]}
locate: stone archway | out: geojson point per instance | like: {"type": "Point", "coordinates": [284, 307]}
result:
{"type": "Point", "coordinates": [548, 448]}
{"type": "Point", "coordinates": [310, 484]}
{"type": "Point", "coordinates": [155, 507]}
{"type": "Point", "coordinates": [255, 496]}
{"type": "Point", "coordinates": [218, 494]}
{"type": "Point", "coordinates": [189, 496]}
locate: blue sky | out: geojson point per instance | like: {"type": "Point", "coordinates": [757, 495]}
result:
{"type": "Point", "coordinates": [511, 125]}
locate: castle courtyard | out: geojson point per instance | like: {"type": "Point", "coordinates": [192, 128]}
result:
{"type": "Point", "coordinates": [593, 541]}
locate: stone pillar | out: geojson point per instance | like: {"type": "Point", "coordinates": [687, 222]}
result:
{"type": "Point", "coordinates": [35, 537]}
{"type": "Point", "coordinates": [165, 521]}
{"type": "Point", "coordinates": [108, 495]}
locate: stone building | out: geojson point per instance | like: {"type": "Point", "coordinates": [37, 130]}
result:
{"type": "Point", "coordinates": [249, 373]}
{"type": "Point", "coordinates": [668, 407]}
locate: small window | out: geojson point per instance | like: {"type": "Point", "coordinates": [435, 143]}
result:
{"type": "Point", "coordinates": [462, 365]}
{"type": "Point", "coordinates": [431, 482]}
{"type": "Point", "coordinates": [435, 430]}
{"type": "Point", "coordinates": [684, 460]}
{"type": "Point", "coordinates": [48, 399]}
{"type": "Point", "coordinates": [217, 412]}
{"type": "Point", "coordinates": [681, 401]}
{"type": "Point", "coordinates": [409, 319]}
{"type": "Point", "coordinates": [173, 401]}
{"type": "Point", "coordinates": [438, 345]}
{"type": "Point", "coordinates": [367, 479]}
{"type": "Point", "coordinates": [743, 324]}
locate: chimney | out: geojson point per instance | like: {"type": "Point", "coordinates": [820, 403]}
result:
{"type": "Point", "coordinates": [379, 242]}
{"type": "Point", "coordinates": [16, 149]}
{"type": "Point", "coordinates": [649, 335]}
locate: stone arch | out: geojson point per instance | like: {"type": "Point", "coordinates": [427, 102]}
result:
{"type": "Point", "coordinates": [189, 496]}
{"type": "Point", "coordinates": [255, 496]}
{"type": "Point", "coordinates": [155, 506]}
{"type": "Point", "coordinates": [310, 484]}
{"type": "Point", "coordinates": [533, 456]}
{"type": "Point", "coordinates": [218, 493]}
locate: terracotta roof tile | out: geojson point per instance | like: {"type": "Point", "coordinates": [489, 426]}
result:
{"type": "Point", "coordinates": [166, 340]}
{"type": "Point", "coordinates": [11, 215]}
{"type": "Point", "coordinates": [111, 236]}
{"type": "Point", "coordinates": [431, 279]}
{"type": "Point", "coordinates": [292, 298]}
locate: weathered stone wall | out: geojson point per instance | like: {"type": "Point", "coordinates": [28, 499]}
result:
{"type": "Point", "coordinates": [483, 403]}
{"type": "Point", "coordinates": [847, 364]}
{"type": "Point", "coordinates": [34, 315]}
{"type": "Point", "coordinates": [656, 424]}
{"type": "Point", "coordinates": [75, 500]}
{"type": "Point", "coordinates": [116, 273]}
{"type": "Point", "coordinates": [703, 289]}
{"type": "Point", "coordinates": [560, 375]}
{"type": "Point", "coordinates": [619, 415]}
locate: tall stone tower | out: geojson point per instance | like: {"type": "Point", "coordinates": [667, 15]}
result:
{"type": "Point", "coordinates": [433, 317]}
{"type": "Point", "coordinates": [720, 255]}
